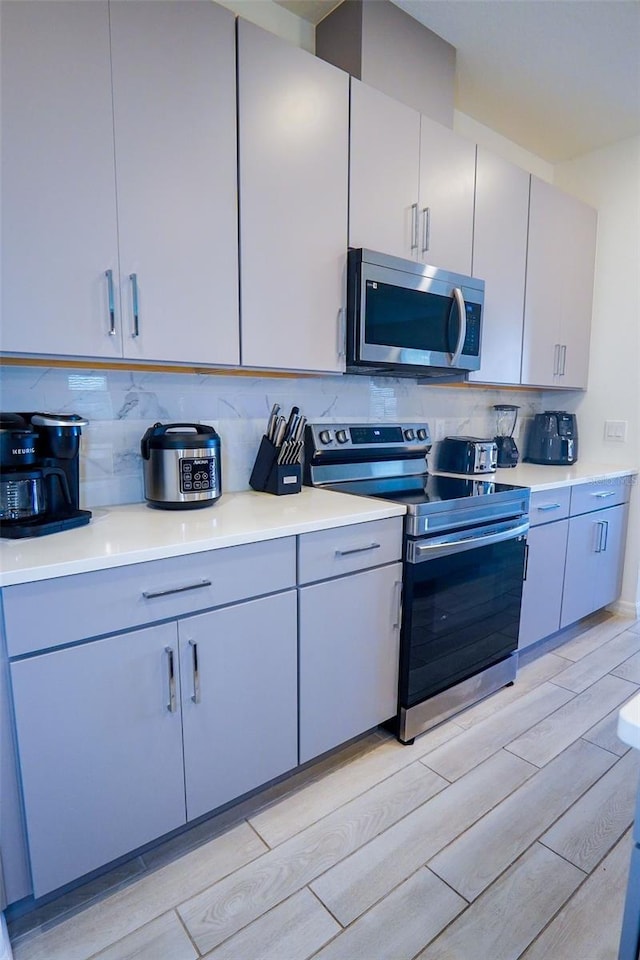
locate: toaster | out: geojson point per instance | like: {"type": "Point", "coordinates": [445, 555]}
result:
{"type": "Point", "coordinates": [467, 455]}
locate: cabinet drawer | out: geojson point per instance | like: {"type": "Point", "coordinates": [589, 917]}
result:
{"type": "Point", "coordinates": [597, 494]}
{"type": "Point", "coordinates": [548, 505]}
{"type": "Point", "coordinates": [330, 553]}
{"type": "Point", "coordinates": [50, 613]}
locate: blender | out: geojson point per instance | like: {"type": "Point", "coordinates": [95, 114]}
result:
{"type": "Point", "coordinates": [506, 417]}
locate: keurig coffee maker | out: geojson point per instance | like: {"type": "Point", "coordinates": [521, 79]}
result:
{"type": "Point", "coordinates": [40, 474]}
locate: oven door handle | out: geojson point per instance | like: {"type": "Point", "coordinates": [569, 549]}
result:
{"type": "Point", "coordinates": [454, 543]}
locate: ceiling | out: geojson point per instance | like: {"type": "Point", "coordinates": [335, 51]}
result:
{"type": "Point", "coordinates": [558, 77]}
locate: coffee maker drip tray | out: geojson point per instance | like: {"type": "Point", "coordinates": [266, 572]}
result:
{"type": "Point", "coordinates": [40, 526]}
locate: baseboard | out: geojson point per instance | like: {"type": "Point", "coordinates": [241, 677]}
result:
{"type": "Point", "coordinates": [625, 608]}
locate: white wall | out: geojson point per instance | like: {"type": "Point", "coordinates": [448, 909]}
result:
{"type": "Point", "coordinates": [609, 179]}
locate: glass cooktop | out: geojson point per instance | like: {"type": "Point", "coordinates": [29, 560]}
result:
{"type": "Point", "coordinates": [424, 489]}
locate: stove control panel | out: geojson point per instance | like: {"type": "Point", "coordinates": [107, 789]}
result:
{"type": "Point", "coordinates": [375, 438]}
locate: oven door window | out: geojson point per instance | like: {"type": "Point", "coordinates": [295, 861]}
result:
{"type": "Point", "coordinates": [461, 614]}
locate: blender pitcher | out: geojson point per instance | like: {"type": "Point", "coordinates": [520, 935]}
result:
{"type": "Point", "coordinates": [506, 417]}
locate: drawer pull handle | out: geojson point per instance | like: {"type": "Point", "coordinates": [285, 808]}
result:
{"type": "Point", "coordinates": [172, 705]}
{"type": "Point", "coordinates": [548, 506]}
{"type": "Point", "coordinates": [196, 672]}
{"type": "Point", "coordinates": [152, 594]}
{"type": "Point", "coordinates": [604, 493]}
{"type": "Point", "coordinates": [346, 553]}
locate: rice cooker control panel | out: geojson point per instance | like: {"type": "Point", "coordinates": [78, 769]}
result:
{"type": "Point", "coordinates": [197, 474]}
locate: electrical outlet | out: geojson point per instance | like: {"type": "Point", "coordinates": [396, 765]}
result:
{"type": "Point", "coordinates": [616, 430]}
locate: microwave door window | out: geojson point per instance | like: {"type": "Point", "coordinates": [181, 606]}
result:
{"type": "Point", "coordinates": [410, 319]}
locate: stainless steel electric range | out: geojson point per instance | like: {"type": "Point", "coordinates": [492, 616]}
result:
{"type": "Point", "coordinates": [463, 565]}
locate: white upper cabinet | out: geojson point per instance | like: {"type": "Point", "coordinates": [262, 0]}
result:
{"type": "Point", "coordinates": [383, 173]}
{"type": "Point", "coordinates": [175, 130]}
{"type": "Point", "coordinates": [59, 229]}
{"type": "Point", "coordinates": [499, 258]}
{"type": "Point", "coordinates": [169, 179]}
{"type": "Point", "coordinates": [559, 290]}
{"type": "Point", "coordinates": [447, 183]}
{"type": "Point", "coordinates": [293, 114]}
{"type": "Point", "coordinates": [411, 183]}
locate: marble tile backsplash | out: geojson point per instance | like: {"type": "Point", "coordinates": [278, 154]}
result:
{"type": "Point", "coordinates": [120, 405]}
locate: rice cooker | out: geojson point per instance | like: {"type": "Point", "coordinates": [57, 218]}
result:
{"type": "Point", "coordinates": [181, 465]}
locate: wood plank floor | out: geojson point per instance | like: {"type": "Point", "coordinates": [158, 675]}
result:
{"type": "Point", "coordinates": [503, 833]}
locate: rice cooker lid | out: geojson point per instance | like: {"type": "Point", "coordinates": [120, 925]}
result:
{"type": "Point", "coordinates": [179, 436]}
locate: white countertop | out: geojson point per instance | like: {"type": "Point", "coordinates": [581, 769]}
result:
{"type": "Point", "coordinates": [136, 532]}
{"type": "Point", "coordinates": [629, 723]}
{"type": "Point", "coordinates": [540, 476]}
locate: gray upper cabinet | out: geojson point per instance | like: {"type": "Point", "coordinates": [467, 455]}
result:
{"type": "Point", "coordinates": [383, 172]}
{"type": "Point", "coordinates": [58, 180]}
{"type": "Point", "coordinates": [411, 183]}
{"type": "Point", "coordinates": [447, 182]}
{"type": "Point", "coordinates": [499, 258]}
{"type": "Point", "coordinates": [293, 161]}
{"type": "Point", "coordinates": [160, 282]}
{"type": "Point", "coordinates": [559, 291]}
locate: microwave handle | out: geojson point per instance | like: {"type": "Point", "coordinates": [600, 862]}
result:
{"type": "Point", "coordinates": [462, 333]}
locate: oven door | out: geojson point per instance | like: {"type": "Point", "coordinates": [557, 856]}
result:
{"type": "Point", "coordinates": [461, 606]}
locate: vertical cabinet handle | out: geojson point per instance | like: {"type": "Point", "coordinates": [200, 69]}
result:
{"type": "Point", "coordinates": [196, 671]}
{"type": "Point", "coordinates": [398, 604]}
{"type": "Point", "coordinates": [556, 359]}
{"type": "Point", "coordinates": [598, 536]}
{"type": "Point", "coordinates": [111, 303]}
{"type": "Point", "coordinates": [563, 359]}
{"type": "Point", "coordinates": [426, 233]}
{"type": "Point", "coordinates": [172, 706]}
{"type": "Point", "coordinates": [414, 226]}
{"type": "Point", "coordinates": [605, 535]}
{"type": "Point", "coordinates": [341, 333]}
{"type": "Point", "coordinates": [134, 303]}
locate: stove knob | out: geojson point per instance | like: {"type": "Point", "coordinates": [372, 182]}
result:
{"type": "Point", "coordinates": [325, 436]}
{"type": "Point", "coordinates": [409, 434]}
{"type": "Point", "coordinates": [422, 433]}
{"type": "Point", "coordinates": [341, 436]}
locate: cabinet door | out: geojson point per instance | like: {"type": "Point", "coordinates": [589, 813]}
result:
{"type": "Point", "coordinates": [175, 130]}
{"type": "Point", "coordinates": [100, 751]}
{"type": "Point", "coordinates": [542, 588]}
{"type": "Point", "coordinates": [349, 648]}
{"type": "Point", "coordinates": [58, 181]}
{"type": "Point", "coordinates": [447, 183]}
{"type": "Point", "coordinates": [239, 699]}
{"type": "Point", "coordinates": [558, 302]}
{"type": "Point", "coordinates": [499, 258]}
{"type": "Point", "coordinates": [595, 554]}
{"type": "Point", "coordinates": [383, 173]}
{"type": "Point", "coordinates": [294, 137]}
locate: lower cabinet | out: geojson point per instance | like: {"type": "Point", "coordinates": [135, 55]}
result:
{"type": "Point", "coordinates": [122, 740]}
{"type": "Point", "coordinates": [100, 744]}
{"type": "Point", "coordinates": [349, 647]}
{"type": "Point", "coordinates": [238, 667]}
{"type": "Point", "coordinates": [575, 555]}
{"type": "Point", "coordinates": [146, 712]}
{"type": "Point", "coordinates": [543, 583]}
{"type": "Point", "coordinates": [595, 555]}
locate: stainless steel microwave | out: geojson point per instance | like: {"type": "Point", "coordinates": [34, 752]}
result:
{"type": "Point", "coordinates": [405, 318]}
